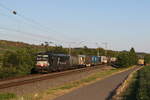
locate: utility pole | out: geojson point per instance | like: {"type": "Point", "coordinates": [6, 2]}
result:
{"type": "Point", "coordinates": [97, 49]}
{"type": "Point", "coordinates": [105, 44]}
{"type": "Point", "coordinates": [70, 47]}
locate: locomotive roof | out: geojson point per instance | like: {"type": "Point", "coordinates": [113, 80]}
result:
{"type": "Point", "coordinates": [49, 53]}
{"type": "Point", "coordinates": [60, 55]}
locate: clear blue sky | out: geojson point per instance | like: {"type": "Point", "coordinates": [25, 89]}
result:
{"type": "Point", "coordinates": [121, 23]}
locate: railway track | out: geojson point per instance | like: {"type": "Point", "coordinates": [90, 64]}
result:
{"type": "Point", "coordinates": [24, 80]}
{"type": "Point", "coordinates": [18, 77]}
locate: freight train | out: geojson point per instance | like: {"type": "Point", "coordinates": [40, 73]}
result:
{"type": "Point", "coordinates": [50, 62]}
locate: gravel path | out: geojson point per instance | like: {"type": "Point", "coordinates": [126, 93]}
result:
{"type": "Point", "coordinates": [50, 83]}
{"type": "Point", "coordinates": [100, 90]}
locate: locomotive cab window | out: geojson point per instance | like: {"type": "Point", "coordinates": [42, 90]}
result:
{"type": "Point", "coordinates": [42, 57]}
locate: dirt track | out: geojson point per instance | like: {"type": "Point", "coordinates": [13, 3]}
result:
{"type": "Point", "coordinates": [100, 90]}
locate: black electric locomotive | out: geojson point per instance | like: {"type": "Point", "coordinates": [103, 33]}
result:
{"type": "Point", "coordinates": [48, 62]}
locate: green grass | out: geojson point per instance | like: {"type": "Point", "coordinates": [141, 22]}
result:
{"type": "Point", "coordinates": [130, 93]}
{"type": "Point", "coordinates": [3, 49]}
{"type": "Point", "coordinates": [139, 88]}
{"type": "Point", "coordinates": [7, 96]}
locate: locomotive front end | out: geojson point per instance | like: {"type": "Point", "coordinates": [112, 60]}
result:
{"type": "Point", "coordinates": [42, 63]}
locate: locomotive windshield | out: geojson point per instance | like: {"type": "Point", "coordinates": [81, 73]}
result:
{"type": "Point", "coordinates": [42, 57]}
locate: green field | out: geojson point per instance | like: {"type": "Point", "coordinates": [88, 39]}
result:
{"type": "Point", "coordinates": [139, 89]}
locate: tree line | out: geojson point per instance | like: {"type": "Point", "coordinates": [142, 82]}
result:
{"type": "Point", "coordinates": [125, 59]}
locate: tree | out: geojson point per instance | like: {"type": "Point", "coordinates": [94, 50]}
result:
{"type": "Point", "coordinates": [42, 44]}
{"type": "Point", "coordinates": [133, 57]}
{"type": "Point", "coordinates": [147, 59]}
{"type": "Point", "coordinates": [123, 59]}
{"type": "Point", "coordinates": [126, 59]}
{"type": "Point", "coordinates": [23, 60]}
{"type": "Point", "coordinates": [101, 51]}
{"type": "Point", "coordinates": [10, 59]}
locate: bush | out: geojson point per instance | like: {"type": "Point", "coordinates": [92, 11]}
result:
{"type": "Point", "coordinates": [17, 63]}
{"type": "Point", "coordinates": [123, 59]}
{"type": "Point", "coordinates": [144, 84]}
{"type": "Point", "coordinates": [8, 72]}
{"type": "Point", "coordinates": [139, 89]}
{"type": "Point", "coordinates": [147, 59]}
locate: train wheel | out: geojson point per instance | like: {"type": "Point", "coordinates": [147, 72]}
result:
{"type": "Point", "coordinates": [34, 71]}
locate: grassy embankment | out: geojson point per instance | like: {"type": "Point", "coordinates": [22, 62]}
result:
{"type": "Point", "coordinates": [58, 91]}
{"type": "Point", "coordinates": [139, 88]}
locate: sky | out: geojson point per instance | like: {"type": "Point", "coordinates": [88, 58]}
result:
{"type": "Point", "coordinates": [120, 23]}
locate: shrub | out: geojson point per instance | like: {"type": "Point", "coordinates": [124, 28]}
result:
{"type": "Point", "coordinates": [144, 84]}
{"type": "Point", "coordinates": [17, 63]}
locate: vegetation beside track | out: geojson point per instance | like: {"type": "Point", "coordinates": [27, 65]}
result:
{"type": "Point", "coordinates": [17, 63]}
{"type": "Point", "coordinates": [139, 88]}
